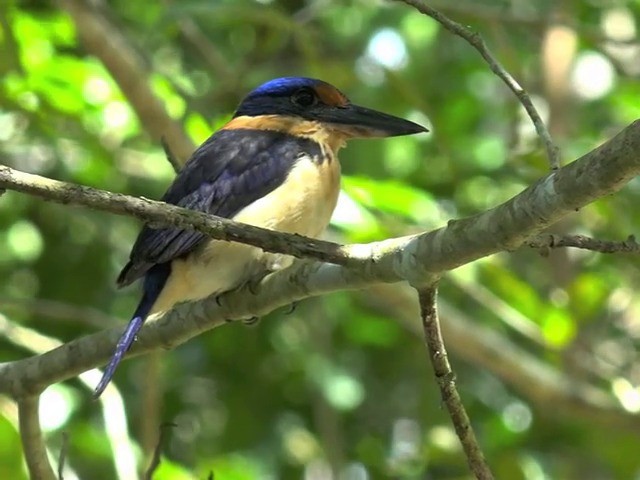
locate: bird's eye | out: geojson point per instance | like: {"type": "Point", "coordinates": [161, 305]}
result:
{"type": "Point", "coordinates": [304, 98]}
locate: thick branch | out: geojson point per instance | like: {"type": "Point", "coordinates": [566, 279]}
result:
{"type": "Point", "coordinates": [418, 259]}
{"type": "Point", "coordinates": [106, 42]}
{"type": "Point", "coordinates": [445, 378]}
{"type": "Point", "coordinates": [476, 41]}
{"type": "Point", "coordinates": [35, 452]}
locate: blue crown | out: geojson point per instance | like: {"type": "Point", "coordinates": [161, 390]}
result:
{"type": "Point", "coordinates": [283, 86]}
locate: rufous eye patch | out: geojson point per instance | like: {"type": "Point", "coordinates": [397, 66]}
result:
{"type": "Point", "coordinates": [331, 96]}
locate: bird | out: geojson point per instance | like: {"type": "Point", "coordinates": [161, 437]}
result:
{"type": "Point", "coordinates": [273, 165]}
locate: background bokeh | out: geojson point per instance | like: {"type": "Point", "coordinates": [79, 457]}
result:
{"type": "Point", "coordinates": [544, 344]}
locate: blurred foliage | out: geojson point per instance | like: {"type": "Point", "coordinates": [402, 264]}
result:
{"type": "Point", "coordinates": [335, 386]}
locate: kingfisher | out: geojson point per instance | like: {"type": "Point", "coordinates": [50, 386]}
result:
{"type": "Point", "coordinates": [273, 165]}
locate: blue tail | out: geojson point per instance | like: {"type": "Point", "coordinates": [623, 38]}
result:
{"type": "Point", "coordinates": [154, 282]}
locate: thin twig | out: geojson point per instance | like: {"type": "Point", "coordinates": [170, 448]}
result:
{"type": "Point", "coordinates": [102, 38]}
{"type": "Point", "coordinates": [550, 241]}
{"type": "Point", "coordinates": [11, 46]}
{"type": "Point", "coordinates": [508, 15]}
{"type": "Point", "coordinates": [476, 41]}
{"type": "Point", "coordinates": [216, 61]}
{"type": "Point", "coordinates": [53, 309]}
{"type": "Point", "coordinates": [524, 371]}
{"type": "Point", "coordinates": [445, 379]}
{"type": "Point", "coordinates": [63, 455]}
{"type": "Point", "coordinates": [155, 460]}
{"type": "Point", "coordinates": [175, 163]}
{"type": "Point", "coordinates": [151, 401]}
{"type": "Point", "coordinates": [159, 213]}
{"type": "Point", "coordinates": [35, 451]}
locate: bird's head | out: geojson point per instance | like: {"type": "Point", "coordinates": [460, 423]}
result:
{"type": "Point", "coordinates": [317, 101]}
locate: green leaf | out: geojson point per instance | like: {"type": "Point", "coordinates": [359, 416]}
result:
{"type": "Point", "coordinates": [393, 197]}
{"type": "Point", "coordinates": [558, 327]}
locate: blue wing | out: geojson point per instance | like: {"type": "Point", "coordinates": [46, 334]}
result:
{"type": "Point", "coordinates": [232, 169]}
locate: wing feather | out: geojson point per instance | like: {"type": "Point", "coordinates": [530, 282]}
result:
{"type": "Point", "coordinates": [232, 169]}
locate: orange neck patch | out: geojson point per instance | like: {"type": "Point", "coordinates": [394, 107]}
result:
{"type": "Point", "coordinates": [295, 126]}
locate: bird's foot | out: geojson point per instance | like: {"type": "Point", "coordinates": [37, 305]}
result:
{"type": "Point", "coordinates": [292, 308]}
{"type": "Point", "coordinates": [254, 285]}
{"type": "Point", "coordinates": [250, 321]}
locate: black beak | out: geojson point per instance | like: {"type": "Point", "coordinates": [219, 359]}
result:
{"type": "Point", "coordinates": [356, 121]}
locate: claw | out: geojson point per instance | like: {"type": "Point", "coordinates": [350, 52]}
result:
{"type": "Point", "coordinates": [253, 285]}
{"type": "Point", "coordinates": [251, 321]}
{"type": "Point", "coordinates": [292, 308]}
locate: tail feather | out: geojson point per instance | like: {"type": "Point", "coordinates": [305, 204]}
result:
{"type": "Point", "coordinates": [154, 282]}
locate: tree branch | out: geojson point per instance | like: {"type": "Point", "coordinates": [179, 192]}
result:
{"type": "Point", "coordinates": [445, 378]}
{"type": "Point", "coordinates": [549, 241]}
{"type": "Point", "coordinates": [526, 18]}
{"type": "Point", "coordinates": [476, 41]}
{"type": "Point", "coordinates": [209, 52]}
{"type": "Point", "coordinates": [535, 380]}
{"type": "Point", "coordinates": [419, 259]}
{"type": "Point", "coordinates": [62, 458]}
{"type": "Point", "coordinates": [171, 158]}
{"type": "Point", "coordinates": [157, 451]}
{"type": "Point", "coordinates": [159, 213]}
{"type": "Point", "coordinates": [113, 411]}
{"type": "Point", "coordinates": [35, 451]}
{"type": "Point", "coordinates": [61, 311]}
{"type": "Point", "coordinates": [106, 42]}
{"type": "Point", "coordinates": [150, 400]}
